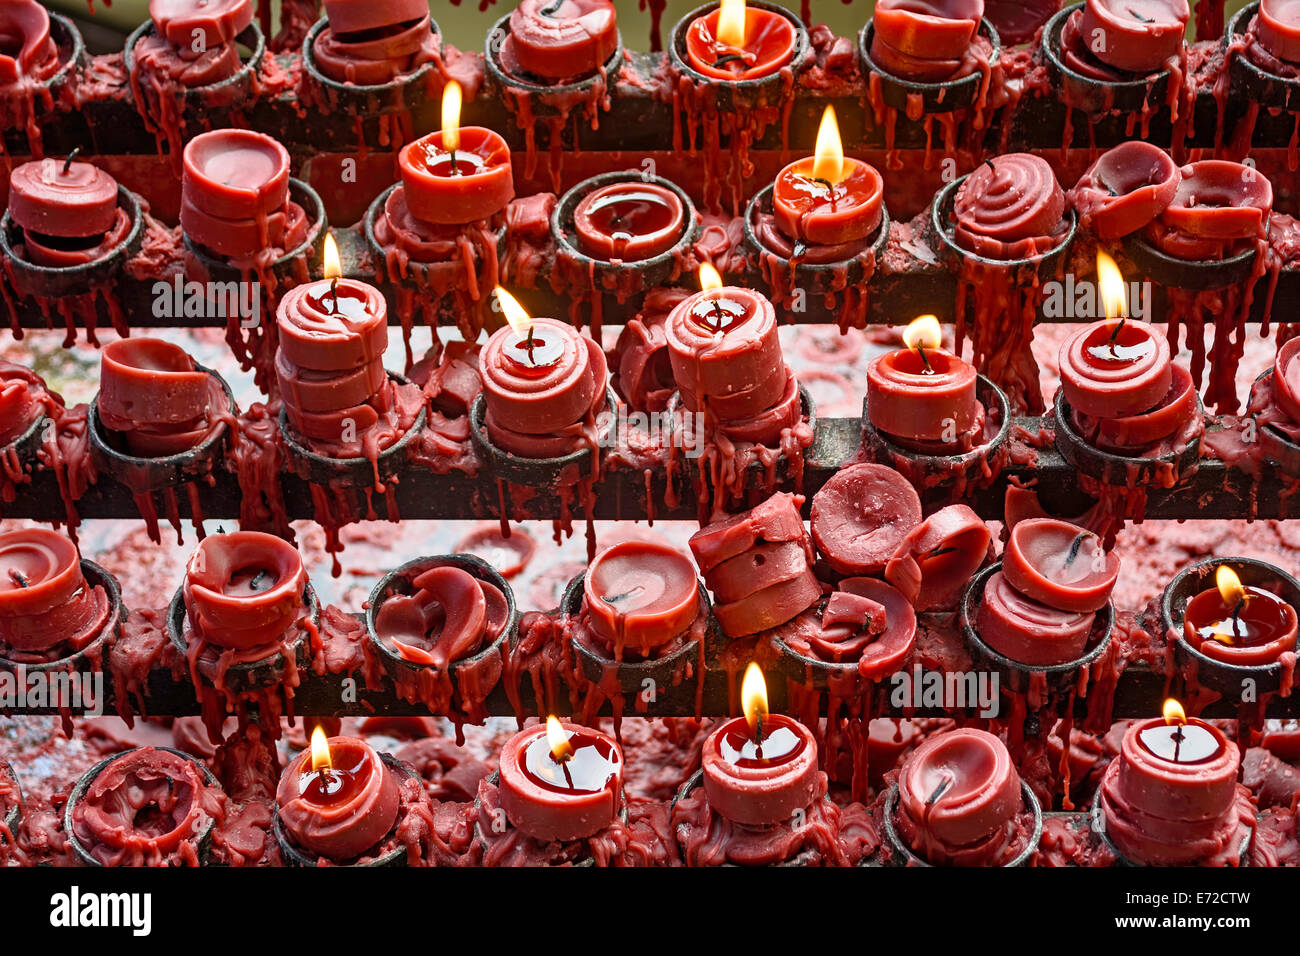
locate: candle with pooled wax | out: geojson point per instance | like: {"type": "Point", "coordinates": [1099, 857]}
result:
{"type": "Point", "coordinates": [337, 798]}
{"type": "Point", "coordinates": [1171, 796]}
{"type": "Point", "coordinates": [1060, 565]}
{"type": "Point", "coordinates": [244, 590]}
{"type": "Point", "coordinates": [46, 604]}
{"type": "Point", "coordinates": [369, 44]}
{"type": "Point", "coordinates": [67, 210]}
{"type": "Point", "coordinates": [922, 393]}
{"type": "Point", "coordinates": [640, 595]}
{"type": "Point", "coordinates": [861, 516]}
{"type": "Point", "coordinates": [924, 40]}
{"type": "Point", "coordinates": [759, 769]}
{"type": "Point", "coordinates": [1219, 207]}
{"type": "Point", "coordinates": [561, 781]}
{"type": "Point", "coordinates": [199, 24]}
{"type": "Point", "coordinates": [1277, 28]}
{"type": "Point", "coordinates": [459, 174]}
{"type": "Point", "coordinates": [1126, 188]}
{"type": "Point", "coordinates": [1286, 379]}
{"type": "Point", "coordinates": [734, 42]}
{"type": "Point", "coordinates": [543, 383]}
{"type": "Point", "coordinates": [959, 800]}
{"type": "Point", "coordinates": [1010, 207]}
{"type": "Point", "coordinates": [448, 617]}
{"type": "Point", "coordinates": [152, 393]}
{"type": "Point", "coordinates": [1236, 624]}
{"type": "Point", "coordinates": [26, 48]}
{"type": "Point", "coordinates": [560, 39]}
{"type": "Point", "coordinates": [864, 621]}
{"type": "Point", "coordinates": [1137, 36]}
{"type": "Point", "coordinates": [628, 221]}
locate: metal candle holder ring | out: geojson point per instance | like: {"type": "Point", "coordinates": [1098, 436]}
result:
{"type": "Point", "coordinates": [631, 676]}
{"type": "Point", "coordinates": [202, 841]}
{"type": "Point", "coordinates": [1013, 675]}
{"type": "Point", "coordinates": [585, 860]}
{"type": "Point", "coordinates": [1230, 680]}
{"type": "Point", "coordinates": [945, 96]}
{"type": "Point", "coordinates": [547, 99]}
{"type": "Point", "coordinates": [294, 856]}
{"type": "Point", "coordinates": [353, 472]}
{"type": "Point", "coordinates": [398, 581]}
{"type": "Point", "coordinates": [144, 475]}
{"type": "Point", "coordinates": [1097, 824]}
{"type": "Point", "coordinates": [1194, 275]}
{"type": "Point", "coordinates": [961, 469]}
{"type": "Point", "coordinates": [251, 675]}
{"type": "Point", "coordinates": [531, 472]}
{"type": "Point", "coordinates": [1278, 447]}
{"type": "Point", "coordinates": [1091, 95]}
{"type": "Point", "coordinates": [27, 445]}
{"type": "Point", "coordinates": [807, 857]}
{"type": "Point", "coordinates": [903, 855]}
{"type": "Point", "coordinates": [1117, 469]}
{"type": "Point", "coordinates": [408, 91]}
{"type": "Point", "coordinates": [659, 270]}
{"type": "Point", "coordinates": [72, 56]}
{"type": "Point", "coordinates": [89, 658]}
{"type": "Point", "coordinates": [1271, 91]}
{"type": "Point", "coordinates": [199, 102]}
{"type": "Point", "coordinates": [734, 96]}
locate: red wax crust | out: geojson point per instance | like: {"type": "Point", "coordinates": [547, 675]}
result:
{"type": "Point", "coordinates": [769, 46]}
{"type": "Point", "coordinates": [1138, 37]}
{"type": "Point", "coordinates": [1161, 813]}
{"type": "Point", "coordinates": [1046, 561]}
{"type": "Point", "coordinates": [848, 211]}
{"type": "Point", "coordinates": [1027, 631]}
{"type": "Point", "coordinates": [937, 558]}
{"type": "Point", "coordinates": [928, 29]}
{"type": "Point", "coordinates": [217, 21]}
{"type": "Point", "coordinates": [865, 622]}
{"type": "Point", "coordinates": [1220, 200]}
{"type": "Point", "coordinates": [55, 610]}
{"type": "Point", "coordinates": [457, 199]}
{"type": "Point", "coordinates": [449, 616]}
{"type": "Point", "coordinates": [1010, 207]}
{"type": "Point", "coordinates": [761, 795]}
{"type": "Point", "coordinates": [546, 814]}
{"type": "Point", "coordinates": [145, 809]}
{"type": "Point", "coordinates": [21, 393]}
{"type": "Point", "coordinates": [906, 400]}
{"type": "Point", "coordinates": [973, 822]}
{"type": "Point", "coordinates": [574, 40]}
{"type": "Point", "coordinates": [1125, 189]}
{"type": "Point", "coordinates": [861, 516]}
{"type": "Point", "coordinates": [79, 203]}
{"type": "Point", "coordinates": [348, 827]}
{"type": "Point", "coordinates": [248, 620]}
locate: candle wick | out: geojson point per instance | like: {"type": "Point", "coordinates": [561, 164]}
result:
{"type": "Point", "coordinates": [530, 345]}
{"type": "Point", "coordinates": [67, 163]}
{"type": "Point", "coordinates": [551, 9]}
{"type": "Point", "coordinates": [925, 360]}
{"type": "Point", "coordinates": [717, 311]}
{"type": "Point", "coordinates": [454, 172]}
{"type": "Point", "coordinates": [19, 578]}
{"type": "Point", "coordinates": [992, 168]}
{"type": "Point", "coordinates": [1139, 17]}
{"type": "Point", "coordinates": [256, 583]}
{"type": "Point", "coordinates": [1075, 545]}
{"type": "Point", "coordinates": [1114, 335]}
{"type": "Point", "coordinates": [944, 785]}
{"type": "Point", "coordinates": [728, 58]}
{"type": "Point", "coordinates": [334, 296]}
{"type": "Point", "coordinates": [1178, 741]}
{"type": "Point", "coordinates": [758, 730]}
{"type": "Point", "coordinates": [940, 551]}
{"type": "Point", "coordinates": [615, 598]}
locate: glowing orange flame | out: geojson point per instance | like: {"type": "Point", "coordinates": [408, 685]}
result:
{"type": "Point", "coordinates": [828, 155]}
{"type": "Point", "coordinates": [320, 750]}
{"type": "Point", "coordinates": [451, 100]}
{"type": "Point", "coordinates": [753, 696]}
{"type": "Point", "coordinates": [1110, 286]}
{"type": "Point", "coordinates": [558, 739]}
{"type": "Point", "coordinates": [333, 267]}
{"type": "Point", "coordinates": [731, 23]}
{"type": "Point", "coordinates": [709, 278]}
{"type": "Point", "coordinates": [1174, 713]}
{"type": "Point", "coordinates": [515, 313]}
{"type": "Point", "coordinates": [1229, 585]}
{"type": "Point", "coordinates": [923, 332]}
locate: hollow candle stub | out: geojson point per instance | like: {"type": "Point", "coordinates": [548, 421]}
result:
{"type": "Point", "coordinates": [561, 781]}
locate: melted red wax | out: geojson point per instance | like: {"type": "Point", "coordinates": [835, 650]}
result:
{"type": "Point", "coordinates": [560, 109]}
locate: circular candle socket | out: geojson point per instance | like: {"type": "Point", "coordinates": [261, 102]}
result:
{"type": "Point", "coordinates": [208, 105]}
{"type": "Point", "coordinates": [288, 268]}
{"type": "Point", "coordinates": [52, 197]}
{"type": "Point", "coordinates": [628, 221]}
{"type": "Point", "coordinates": [1251, 81]}
{"type": "Point", "coordinates": [1101, 89]}
{"type": "Point", "coordinates": [195, 827]}
{"type": "Point", "coordinates": [556, 42]}
{"type": "Point", "coordinates": [1135, 37]}
{"type": "Point", "coordinates": [1044, 259]}
{"type": "Point", "coordinates": [1130, 468]}
{"type": "Point", "coordinates": [732, 94]}
{"type": "Point", "coordinates": [1018, 676]}
{"type": "Point", "coordinates": [1228, 679]}
{"type": "Point", "coordinates": [536, 472]}
{"type": "Point", "coordinates": [1060, 565]}
{"type": "Point", "coordinates": [903, 853]}
{"type": "Point", "coordinates": [400, 582]}
{"type": "Point", "coordinates": [932, 95]}
{"type": "Point", "coordinates": [807, 856]}
{"type": "Point", "coordinates": [358, 823]}
{"type": "Point", "coordinates": [437, 194]}
{"type": "Point", "coordinates": [756, 792]}
{"type": "Point", "coordinates": [1193, 275]}
{"type": "Point", "coordinates": [861, 515]}
{"type": "Point", "coordinates": [1125, 189]}
{"type": "Point", "coordinates": [1115, 368]}
{"type": "Point", "coordinates": [663, 577]}
{"type": "Point", "coordinates": [548, 811]}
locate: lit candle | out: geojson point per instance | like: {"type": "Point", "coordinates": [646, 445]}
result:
{"type": "Point", "coordinates": [924, 40]}
{"type": "Point", "coordinates": [736, 43]}
{"type": "Point", "coordinates": [152, 393]}
{"type": "Point", "coordinates": [448, 617]}
{"type": "Point", "coordinates": [760, 769]}
{"type": "Point", "coordinates": [1137, 36]}
{"type": "Point", "coordinates": [46, 604]}
{"type": "Point", "coordinates": [561, 39]}
{"type": "Point", "coordinates": [1239, 624]}
{"type": "Point", "coordinates": [640, 594]}
{"type": "Point", "coordinates": [561, 781]}
{"type": "Point", "coordinates": [458, 175]}
{"type": "Point", "coordinates": [923, 393]}
{"type": "Point", "coordinates": [337, 798]}
{"type": "Point", "coordinates": [244, 589]}
{"type": "Point", "coordinates": [629, 221]}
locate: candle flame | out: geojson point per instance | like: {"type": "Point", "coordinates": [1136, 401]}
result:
{"type": "Point", "coordinates": [558, 739]}
{"type": "Point", "coordinates": [1110, 286]}
{"type": "Point", "coordinates": [709, 278]}
{"type": "Point", "coordinates": [320, 750]}
{"type": "Point", "coordinates": [828, 155]}
{"type": "Point", "coordinates": [1229, 585]}
{"type": "Point", "coordinates": [923, 332]}
{"type": "Point", "coordinates": [753, 695]}
{"type": "Point", "coordinates": [731, 23]}
{"type": "Point", "coordinates": [1174, 713]}
{"type": "Point", "coordinates": [515, 313]}
{"type": "Point", "coordinates": [333, 267]}
{"type": "Point", "coordinates": [451, 100]}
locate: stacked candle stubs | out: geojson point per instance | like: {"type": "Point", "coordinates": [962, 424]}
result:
{"type": "Point", "coordinates": [928, 41]}
{"type": "Point", "coordinates": [1040, 607]}
{"type": "Point", "coordinates": [330, 365]}
{"type": "Point", "coordinates": [67, 210]}
{"type": "Point", "coordinates": [1126, 188]}
{"type": "Point", "coordinates": [1117, 40]}
{"type": "Point", "coordinates": [447, 617]}
{"type": "Point", "coordinates": [28, 51]}
{"type": "Point", "coordinates": [47, 608]}
{"type": "Point", "coordinates": [758, 565]}
{"type": "Point", "coordinates": [235, 195]}
{"type": "Point", "coordinates": [367, 44]}
{"type": "Point", "coordinates": [193, 43]}
{"type": "Point", "coordinates": [1220, 209]}
{"type": "Point", "coordinates": [727, 361]}
{"type": "Point", "coordinates": [155, 397]}
{"type": "Point", "coordinates": [563, 41]}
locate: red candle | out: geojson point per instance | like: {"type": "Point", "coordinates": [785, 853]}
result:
{"type": "Point", "coordinates": [448, 617]}
{"type": "Point", "coordinates": [152, 392]}
{"type": "Point", "coordinates": [457, 175]}
{"type": "Point", "coordinates": [184, 22]}
{"type": "Point", "coordinates": [861, 516]}
{"type": "Point", "coordinates": [361, 16]}
{"type": "Point", "coordinates": [561, 39]}
{"type": "Point", "coordinates": [760, 769]}
{"type": "Point", "coordinates": [864, 621]}
{"type": "Point", "coordinates": [642, 594]}
{"type": "Point", "coordinates": [337, 799]}
{"type": "Point", "coordinates": [1125, 189]}
{"type": "Point", "coordinates": [774, 520]}
{"type": "Point", "coordinates": [922, 392]}
{"type": "Point", "coordinates": [368, 44]}
{"type": "Point", "coordinates": [959, 799]}
{"type": "Point", "coordinates": [1137, 36]}
{"type": "Point", "coordinates": [46, 604]}
{"type": "Point", "coordinates": [1010, 207]}
{"type": "Point", "coordinates": [561, 781]}
{"type": "Point", "coordinates": [1286, 379]}
{"type": "Point", "coordinates": [21, 401]}
{"type": "Point", "coordinates": [924, 40]}
{"type": "Point", "coordinates": [1170, 796]}
{"type": "Point", "coordinates": [736, 43]}
{"type": "Point", "coordinates": [937, 559]}
{"type": "Point", "coordinates": [542, 381]}
{"type": "Point", "coordinates": [27, 50]}
{"type": "Point", "coordinates": [629, 221]}
{"type": "Point", "coordinates": [1236, 624]}
{"type": "Point", "coordinates": [244, 589]}
{"type": "Point", "coordinates": [1115, 368]}
{"type": "Point", "coordinates": [1027, 631]}
{"type": "Point", "coordinates": [1060, 565]}
{"type": "Point", "coordinates": [1277, 28]}
{"type": "Point", "coordinates": [1129, 434]}
{"type": "Point", "coordinates": [827, 198]}
{"type": "Point", "coordinates": [235, 174]}
{"type": "Point", "coordinates": [333, 325]}
{"type": "Point", "coordinates": [1220, 200]}
{"type": "Point", "coordinates": [55, 197]}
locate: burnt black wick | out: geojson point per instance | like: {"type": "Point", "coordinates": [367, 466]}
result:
{"type": "Point", "coordinates": [67, 163]}
{"type": "Point", "coordinates": [551, 9]}
{"type": "Point", "coordinates": [615, 598]}
{"type": "Point", "coordinates": [1139, 17]}
{"type": "Point", "coordinates": [727, 58]}
{"type": "Point", "coordinates": [758, 729]}
{"type": "Point", "coordinates": [990, 165]}
{"type": "Point", "coordinates": [940, 551]}
{"type": "Point", "coordinates": [530, 344]}
{"type": "Point", "coordinates": [939, 791]}
{"type": "Point", "coordinates": [1178, 741]}
{"type": "Point", "coordinates": [717, 311]}
{"type": "Point", "coordinates": [453, 163]}
{"type": "Point", "coordinates": [334, 295]}
{"type": "Point", "coordinates": [1114, 335]}
{"type": "Point", "coordinates": [255, 584]}
{"type": "Point", "coordinates": [1075, 545]}
{"type": "Point", "coordinates": [925, 359]}
{"type": "Point", "coordinates": [18, 578]}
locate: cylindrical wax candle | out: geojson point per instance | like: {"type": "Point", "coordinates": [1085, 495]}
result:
{"type": "Point", "coordinates": [559, 40]}
{"type": "Point", "coordinates": [1137, 36]}
{"type": "Point", "coordinates": [1115, 368]}
{"type": "Point", "coordinates": [737, 43]}
{"type": "Point", "coordinates": [1125, 189]}
{"type": "Point", "coordinates": [456, 175]}
{"type": "Point", "coordinates": [1060, 565]}
{"type": "Point", "coordinates": [628, 221]}
{"type": "Point", "coordinates": [640, 594]}
{"type": "Point", "coordinates": [244, 589]}
{"type": "Point", "coordinates": [1010, 207]}
{"type": "Point", "coordinates": [922, 392]}
{"type": "Point", "coordinates": [861, 516]}
{"type": "Point", "coordinates": [561, 781]}
{"type": "Point", "coordinates": [1238, 624]}
{"type": "Point", "coordinates": [45, 601]}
